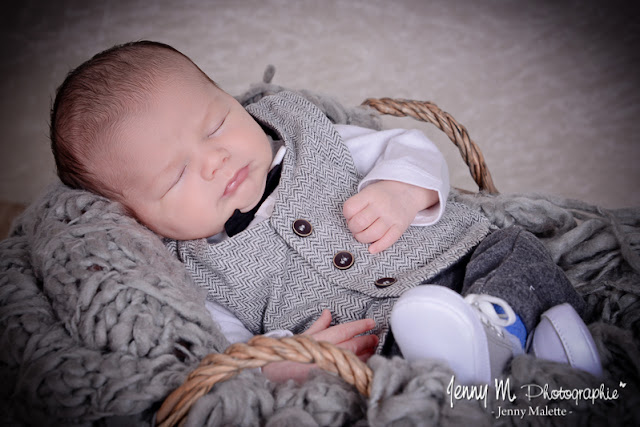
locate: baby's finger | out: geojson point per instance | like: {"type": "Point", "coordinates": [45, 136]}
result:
{"type": "Point", "coordinates": [353, 205]}
{"type": "Point", "coordinates": [390, 237]}
{"type": "Point", "coordinates": [373, 233]}
{"type": "Point", "coordinates": [320, 324]}
{"type": "Point", "coordinates": [366, 356]}
{"type": "Point", "coordinates": [345, 331]}
{"type": "Point", "coordinates": [362, 220]}
{"type": "Point", "coordinates": [360, 345]}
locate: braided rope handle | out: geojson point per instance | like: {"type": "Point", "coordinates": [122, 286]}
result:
{"type": "Point", "coordinates": [259, 351]}
{"type": "Point", "coordinates": [429, 112]}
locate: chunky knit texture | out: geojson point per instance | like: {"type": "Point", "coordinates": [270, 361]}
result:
{"type": "Point", "coordinates": [99, 322]}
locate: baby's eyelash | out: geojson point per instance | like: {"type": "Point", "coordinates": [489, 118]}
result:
{"type": "Point", "coordinates": [175, 181]}
{"type": "Point", "coordinates": [218, 127]}
{"type": "Point", "coordinates": [181, 173]}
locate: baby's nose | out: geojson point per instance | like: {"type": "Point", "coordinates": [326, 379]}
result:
{"type": "Point", "coordinates": [212, 161]}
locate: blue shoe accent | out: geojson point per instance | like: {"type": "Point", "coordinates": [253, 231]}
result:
{"type": "Point", "coordinates": [517, 329]}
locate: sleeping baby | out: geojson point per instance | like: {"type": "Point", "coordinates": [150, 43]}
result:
{"type": "Point", "coordinates": [294, 224]}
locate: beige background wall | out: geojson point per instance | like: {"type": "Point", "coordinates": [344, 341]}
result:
{"type": "Point", "coordinates": [548, 89]}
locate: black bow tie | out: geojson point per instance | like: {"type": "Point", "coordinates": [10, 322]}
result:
{"type": "Point", "coordinates": [239, 221]}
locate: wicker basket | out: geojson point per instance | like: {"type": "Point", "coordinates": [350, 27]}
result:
{"type": "Point", "coordinates": [261, 350]}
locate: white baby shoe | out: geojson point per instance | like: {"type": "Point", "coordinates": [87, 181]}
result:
{"type": "Point", "coordinates": [561, 336]}
{"type": "Point", "coordinates": [468, 333]}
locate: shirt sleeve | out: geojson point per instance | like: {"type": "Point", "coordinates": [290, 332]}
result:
{"type": "Point", "coordinates": [399, 155]}
{"type": "Point", "coordinates": [231, 327]}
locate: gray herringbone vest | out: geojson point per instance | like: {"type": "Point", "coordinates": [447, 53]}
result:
{"type": "Point", "coordinates": [272, 278]}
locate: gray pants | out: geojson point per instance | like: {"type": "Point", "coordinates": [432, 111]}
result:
{"type": "Point", "coordinates": [512, 264]}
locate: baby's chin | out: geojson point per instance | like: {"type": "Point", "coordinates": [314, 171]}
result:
{"type": "Point", "coordinates": [254, 201]}
{"type": "Point", "coordinates": [192, 234]}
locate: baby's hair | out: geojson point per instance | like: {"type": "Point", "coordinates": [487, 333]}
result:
{"type": "Point", "coordinates": [96, 96]}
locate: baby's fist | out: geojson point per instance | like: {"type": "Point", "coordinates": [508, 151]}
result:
{"type": "Point", "coordinates": [382, 211]}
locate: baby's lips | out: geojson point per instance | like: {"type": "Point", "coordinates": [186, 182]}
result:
{"type": "Point", "coordinates": [236, 180]}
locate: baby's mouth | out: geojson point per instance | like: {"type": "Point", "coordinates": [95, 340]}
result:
{"type": "Point", "coordinates": [236, 181]}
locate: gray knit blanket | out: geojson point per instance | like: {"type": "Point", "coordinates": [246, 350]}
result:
{"type": "Point", "coordinates": [98, 324]}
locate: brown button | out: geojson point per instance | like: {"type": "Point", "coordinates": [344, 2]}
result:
{"type": "Point", "coordinates": [385, 281]}
{"type": "Point", "coordinates": [302, 227]}
{"type": "Point", "coordinates": [343, 260]}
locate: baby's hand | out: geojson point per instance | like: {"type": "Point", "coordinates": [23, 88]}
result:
{"type": "Point", "coordinates": [382, 211]}
{"type": "Point", "coordinates": [343, 335]}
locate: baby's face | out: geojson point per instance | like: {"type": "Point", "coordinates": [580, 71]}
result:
{"type": "Point", "coordinates": [187, 160]}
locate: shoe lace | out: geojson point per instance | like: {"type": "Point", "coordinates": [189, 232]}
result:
{"type": "Point", "coordinates": [484, 306]}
